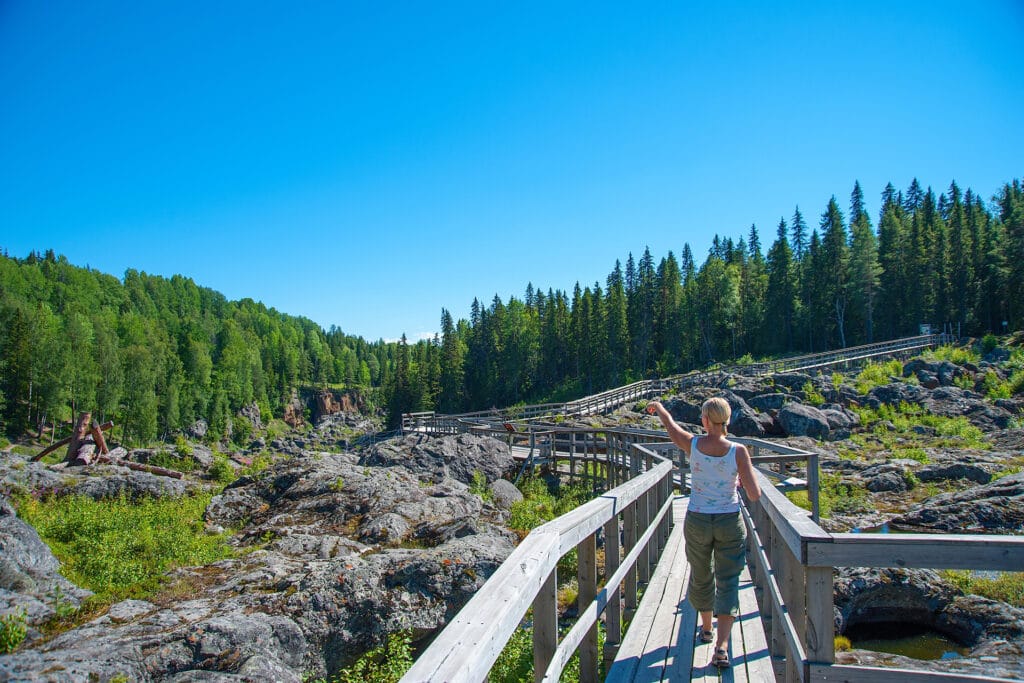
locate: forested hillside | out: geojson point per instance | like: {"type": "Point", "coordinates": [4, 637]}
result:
{"type": "Point", "coordinates": [155, 354]}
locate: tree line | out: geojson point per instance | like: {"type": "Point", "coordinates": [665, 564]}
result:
{"type": "Point", "coordinates": [950, 259]}
{"type": "Point", "coordinates": [156, 354]}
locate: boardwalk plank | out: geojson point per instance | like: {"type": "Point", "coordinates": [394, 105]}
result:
{"type": "Point", "coordinates": [752, 661]}
{"type": "Point", "coordinates": [641, 656]}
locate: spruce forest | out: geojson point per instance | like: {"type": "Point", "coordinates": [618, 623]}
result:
{"type": "Point", "coordinates": [156, 354]}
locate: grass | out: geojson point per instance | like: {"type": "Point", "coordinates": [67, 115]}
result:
{"type": "Point", "coordinates": [540, 505]}
{"type": "Point", "coordinates": [954, 354]}
{"type": "Point", "coordinates": [1006, 587]}
{"type": "Point", "coordinates": [13, 630]}
{"type": "Point", "coordinates": [834, 496]}
{"type": "Point", "coordinates": [949, 431]}
{"type": "Point", "coordinates": [121, 549]}
{"type": "Point", "coordinates": [876, 375]}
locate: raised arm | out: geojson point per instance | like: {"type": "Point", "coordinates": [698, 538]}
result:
{"type": "Point", "coordinates": [680, 437]}
{"type": "Point", "coordinates": [748, 478]}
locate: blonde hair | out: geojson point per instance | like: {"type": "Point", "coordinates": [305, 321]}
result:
{"type": "Point", "coordinates": [717, 410]}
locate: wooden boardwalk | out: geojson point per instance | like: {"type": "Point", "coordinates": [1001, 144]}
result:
{"type": "Point", "coordinates": [661, 642]}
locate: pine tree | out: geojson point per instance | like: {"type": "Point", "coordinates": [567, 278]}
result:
{"type": "Point", "coordinates": [961, 261]}
{"type": "Point", "coordinates": [781, 296]}
{"type": "Point", "coordinates": [834, 265]}
{"type": "Point", "coordinates": [799, 235]}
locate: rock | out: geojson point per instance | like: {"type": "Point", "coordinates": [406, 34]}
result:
{"type": "Point", "coordinates": [111, 481]}
{"type": "Point", "coordinates": [766, 402]}
{"type": "Point", "coordinates": [802, 420]}
{"type": "Point", "coordinates": [994, 508]}
{"type": "Point", "coordinates": [920, 597]}
{"type": "Point", "coordinates": [953, 471]}
{"type": "Point", "coordinates": [887, 481]}
{"type": "Point", "coordinates": [198, 429]}
{"type": "Point", "coordinates": [435, 457]}
{"type": "Point", "coordinates": [29, 573]}
{"type": "Point", "coordinates": [839, 417]}
{"type": "Point", "coordinates": [252, 413]}
{"type": "Point", "coordinates": [505, 493]}
{"type": "Point", "coordinates": [895, 393]}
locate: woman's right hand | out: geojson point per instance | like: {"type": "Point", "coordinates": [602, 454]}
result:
{"type": "Point", "coordinates": [652, 407]}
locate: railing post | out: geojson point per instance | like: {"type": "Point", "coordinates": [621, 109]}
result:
{"type": "Point", "coordinates": [586, 573]}
{"type": "Point", "coordinates": [791, 584]}
{"type": "Point", "coordinates": [629, 522]}
{"type": "Point", "coordinates": [613, 612]}
{"type": "Point", "coordinates": [814, 486]}
{"type": "Point", "coordinates": [820, 638]}
{"type": "Point", "coordinates": [572, 457]}
{"type": "Point", "coordinates": [545, 625]}
{"type": "Point", "coordinates": [643, 520]}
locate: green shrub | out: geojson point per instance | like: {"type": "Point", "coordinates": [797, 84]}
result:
{"type": "Point", "coordinates": [221, 470]}
{"type": "Point", "coordinates": [989, 342]}
{"type": "Point", "coordinates": [812, 395]}
{"type": "Point", "coordinates": [182, 446]}
{"type": "Point", "coordinates": [12, 631]}
{"type": "Point", "coordinates": [122, 549]}
{"type": "Point", "coordinates": [834, 497]}
{"type": "Point", "coordinates": [954, 354]}
{"type": "Point", "coordinates": [478, 486]}
{"type": "Point", "coordinates": [173, 462]}
{"type": "Point", "coordinates": [515, 663]}
{"type": "Point", "coordinates": [876, 375]}
{"type": "Point", "coordinates": [385, 664]}
{"type": "Point", "coordinates": [241, 430]}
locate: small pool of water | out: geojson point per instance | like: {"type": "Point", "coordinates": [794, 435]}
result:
{"type": "Point", "coordinates": [880, 529]}
{"type": "Point", "coordinates": [908, 640]}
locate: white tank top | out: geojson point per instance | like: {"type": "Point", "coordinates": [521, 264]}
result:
{"type": "Point", "coordinates": [713, 481]}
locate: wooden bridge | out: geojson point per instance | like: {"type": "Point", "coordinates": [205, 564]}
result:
{"type": "Point", "coordinates": [632, 573]}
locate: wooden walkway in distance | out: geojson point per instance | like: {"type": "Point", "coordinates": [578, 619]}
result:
{"type": "Point", "coordinates": [661, 642]}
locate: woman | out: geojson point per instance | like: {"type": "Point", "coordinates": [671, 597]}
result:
{"type": "Point", "coordinates": [713, 527]}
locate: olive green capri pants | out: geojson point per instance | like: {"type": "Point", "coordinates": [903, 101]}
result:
{"type": "Point", "coordinates": [716, 550]}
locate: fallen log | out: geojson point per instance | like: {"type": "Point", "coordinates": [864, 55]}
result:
{"type": "Point", "coordinates": [101, 442]}
{"type": "Point", "coordinates": [50, 449]}
{"type": "Point", "coordinates": [152, 469]}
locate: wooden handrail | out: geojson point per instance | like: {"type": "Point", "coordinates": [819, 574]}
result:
{"type": "Point", "coordinates": [467, 648]}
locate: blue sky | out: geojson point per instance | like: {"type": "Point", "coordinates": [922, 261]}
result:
{"type": "Point", "coordinates": [366, 165]}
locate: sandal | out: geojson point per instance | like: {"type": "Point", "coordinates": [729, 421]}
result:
{"type": "Point", "coordinates": [720, 659]}
{"type": "Point", "coordinates": [706, 636]}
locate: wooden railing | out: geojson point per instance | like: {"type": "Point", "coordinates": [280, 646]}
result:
{"type": "Point", "coordinates": [793, 561]}
{"type": "Point", "coordinates": [468, 647]}
{"type": "Point", "coordinates": [609, 400]}
{"type": "Point", "coordinates": [638, 469]}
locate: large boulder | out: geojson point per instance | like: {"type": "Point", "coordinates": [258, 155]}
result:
{"type": "Point", "coordinates": [803, 420]}
{"type": "Point", "coordinates": [458, 456]}
{"type": "Point", "coordinates": [30, 578]}
{"type": "Point", "coordinates": [995, 508]}
{"type": "Point", "coordinates": [993, 631]}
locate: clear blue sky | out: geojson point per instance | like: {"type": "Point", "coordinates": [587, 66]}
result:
{"type": "Point", "coordinates": [367, 166]}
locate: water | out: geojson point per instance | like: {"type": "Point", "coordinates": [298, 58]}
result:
{"type": "Point", "coordinates": [881, 529]}
{"type": "Point", "coordinates": [908, 640]}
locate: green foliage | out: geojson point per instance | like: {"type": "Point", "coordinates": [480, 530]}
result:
{"type": "Point", "coordinates": [842, 644]}
{"type": "Point", "coordinates": [479, 486]}
{"type": "Point", "coordinates": [384, 664]}
{"type": "Point", "coordinates": [1005, 587]}
{"type": "Point", "coordinates": [812, 395]}
{"type": "Point", "coordinates": [955, 354]}
{"type": "Point", "coordinates": [258, 464]}
{"type": "Point", "coordinates": [876, 375]}
{"type": "Point", "coordinates": [905, 416]}
{"type": "Point", "coordinates": [834, 497]}
{"type": "Point", "coordinates": [515, 663]}
{"type": "Point", "coordinates": [837, 380]}
{"type": "Point", "coordinates": [989, 342]}
{"type": "Point", "coordinates": [13, 630]}
{"type": "Point", "coordinates": [172, 461]}
{"type": "Point", "coordinates": [241, 430]}
{"type": "Point", "coordinates": [122, 549]}
{"type": "Point", "coordinates": [182, 446]}
{"type": "Point", "coordinates": [221, 470]}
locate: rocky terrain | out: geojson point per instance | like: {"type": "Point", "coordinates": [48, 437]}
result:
{"type": "Point", "coordinates": [342, 540]}
{"type": "Point", "coordinates": [335, 552]}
